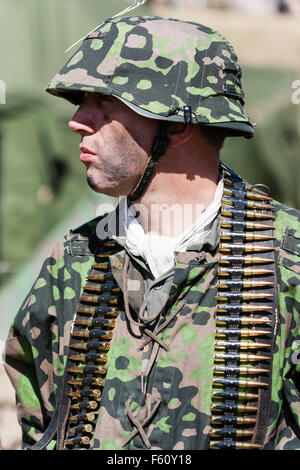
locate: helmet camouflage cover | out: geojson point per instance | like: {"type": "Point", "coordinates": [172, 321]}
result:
{"type": "Point", "coordinates": [159, 66]}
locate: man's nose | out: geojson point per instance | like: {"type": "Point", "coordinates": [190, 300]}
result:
{"type": "Point", "coordinates": [79, 127]}
{"type": "Point", "coordinates": [80, 123]}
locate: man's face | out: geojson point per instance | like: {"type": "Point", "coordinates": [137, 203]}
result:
{"type": "Point", "coordinates": [115, 143]}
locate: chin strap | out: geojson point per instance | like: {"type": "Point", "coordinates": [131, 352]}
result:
{"type": "Point", "coordinates": [159, 148]}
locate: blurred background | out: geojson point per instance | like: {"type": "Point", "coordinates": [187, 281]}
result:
{"type": "Point", "coordinates": [43, 192]}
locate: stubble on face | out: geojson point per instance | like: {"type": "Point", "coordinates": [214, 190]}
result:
{"type": "Point", "coordinates": [117, 142]}
{"type": "Point", "coordinates": [122, 152]}
{"type": "Point", "coordinates": [118, 165]}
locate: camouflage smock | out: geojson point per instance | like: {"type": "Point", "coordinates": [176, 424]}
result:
{"type": "Point", "coordinates": [179, 377]}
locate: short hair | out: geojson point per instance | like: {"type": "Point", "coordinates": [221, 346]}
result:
{"type": "Point", "coordinates": [214, 136]}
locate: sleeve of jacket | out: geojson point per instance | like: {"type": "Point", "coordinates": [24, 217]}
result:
{"type": "Point", "coordinates": [37, 342]}
{"type": "Point", "coordinates": [285, 411]}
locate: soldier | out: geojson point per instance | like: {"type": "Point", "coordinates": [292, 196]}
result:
{"type": "Point", "coordinates": [177, 336]}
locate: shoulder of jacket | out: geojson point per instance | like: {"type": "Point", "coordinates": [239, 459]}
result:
{"type": "Point", "coordinates": [286, 213]}
{"type": "Point", "coordinates": [86, 238]}
{"type": "Point", "coordinates": [287, 234]}
{"type": "Point", "coordinates": [287, 221]}
{"type": "Point", "coordinates": [83, 239]}
{"type": "Point", "coordinates": [86, 229]}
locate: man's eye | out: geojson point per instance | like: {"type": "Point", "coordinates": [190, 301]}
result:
{"type": "Point", "coordinates": [104, 99]}
{"type": "Point", "coordinates": [106, 102]}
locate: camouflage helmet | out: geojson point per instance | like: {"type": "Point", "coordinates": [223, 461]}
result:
{"type": "Point", "coordinates": [162, 68]}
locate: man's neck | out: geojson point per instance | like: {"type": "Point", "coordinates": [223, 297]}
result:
{"type": "Point", "coordinates": [175, 200]}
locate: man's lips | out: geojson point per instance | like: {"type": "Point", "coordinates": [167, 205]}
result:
{"type": "Point", "coordinates": [86, 155]}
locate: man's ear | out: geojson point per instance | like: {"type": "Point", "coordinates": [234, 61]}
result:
{"type": "Point", "coordinates": [179, 133]}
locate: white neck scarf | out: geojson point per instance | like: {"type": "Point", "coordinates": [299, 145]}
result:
{"type": "Point", "coordinates": [157, 250]}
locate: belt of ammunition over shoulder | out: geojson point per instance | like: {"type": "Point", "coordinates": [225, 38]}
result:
{"type": "Point", "coordinates": [91, 335]}
{"type": "Point", "coordinates": [245, 318]}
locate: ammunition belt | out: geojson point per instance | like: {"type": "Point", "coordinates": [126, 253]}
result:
{"type": "Point", "coordinates": [245, 318]}
{"type": "Point", "coordinates": [92, 332]}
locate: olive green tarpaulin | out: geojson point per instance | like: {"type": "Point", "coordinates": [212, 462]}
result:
{"type": "Point", "coordinates": [41, 176]}
{"type": "Point", "coordinates": [272, 156]}
{"type": "Point", "coordinates": [42, 182]}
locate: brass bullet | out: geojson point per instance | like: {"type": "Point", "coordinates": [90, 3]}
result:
{"type": "Point", "coordinates": [226, 172]}
{"type": "Point", "coordinates": [100, 277]}
{"type": "Point", "coordinates": [241, 370]}
{"type": "Point", "coordinates": [85, 405]}
{"type": "Point", "coordinates": [231, 432]}
{"type": "Point", "coordinates": [93, 322]}
{"type": "Point", "coordinates": [239, 296]}
{"type": "Point", "coordinates": [98, 299]}
{"type": "Point", "coordinates": [98, 370]}
{"type": "Point", "coordinates": [242, 345]}
{"type": "Point", "coordinates": [90, 357]}
{"type": "Point", "coordinates": [91, 346]}
{"type": "Point", "coordinates": [243, 248]}
{"type": "Point", "coordinates": [81, 428]}
{"type": "Point", "coordinates": [248, 259]}
{"type": "Point", "coordinates": [246, 204]}
{"type": "Point", "coordinates": [223, 321]}
{"type": "Point", "coordinates": [103, 256]}
{"type": "Point", "coordinates": [240, 332]}
{"type": "Point", "coordinates": [101, 266]}
{"type": "Point", "coordinates": [96, 393]}
{"type": "Point", "coordinates": [90, 417]}
{"type": "Point", "coordinates": [92, 381]}
{"type": "Point", "coordinates": [106, 311]}
{"type": "Point", "coordinates": [240, 383]}
{"type": "Point", "coordinates": [110, 244]}
{"type": "Point", "coordinates": [229, 182]}
{"type": "Point", "coordinates": [237, 284]}
{"type": "Point", "coordinates": [102, 288]}
{"type": "Point", "coordinates": [232, 419]}
{"type": "Point", "coordinates": [244, 272]}
{"type": "Point", "coordinates": [246, 214]}
{"type": "Point", "coordinates": [241, 225]}
{"type": "Point", "coordinates": [257, 196]}
{"type": "Point", "coordinates": [247, 446]}
{"type": "Point", "coordinates": [100, 334]}
{"type": "Point", "coordinates": [222, 357]}
{"type": "Point", "coordinates": [240, 308]}
{"type": "Point", "coordinates": [234, 407]}
{"type": "Point", "coordinates": [234, 394]}
{"type": "Point", "coordinates": [75, 441]}
{"type": "Point", "coordinates": [227, 444]}
{"type": "Point", "coordinates": [245, 236]}
{"type": "Point", "coordinates": [232, 179]}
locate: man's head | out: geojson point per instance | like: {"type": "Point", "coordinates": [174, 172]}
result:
{"type": "Point", "coordinates": [115, 143]}
{"type": "Point", "coordinates": [161, 69]}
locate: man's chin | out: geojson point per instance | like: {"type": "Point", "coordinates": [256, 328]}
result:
{"type": "Point", "coordinates": [92, 184]}
{"type": "Point", "coordinates": [112, 192]}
